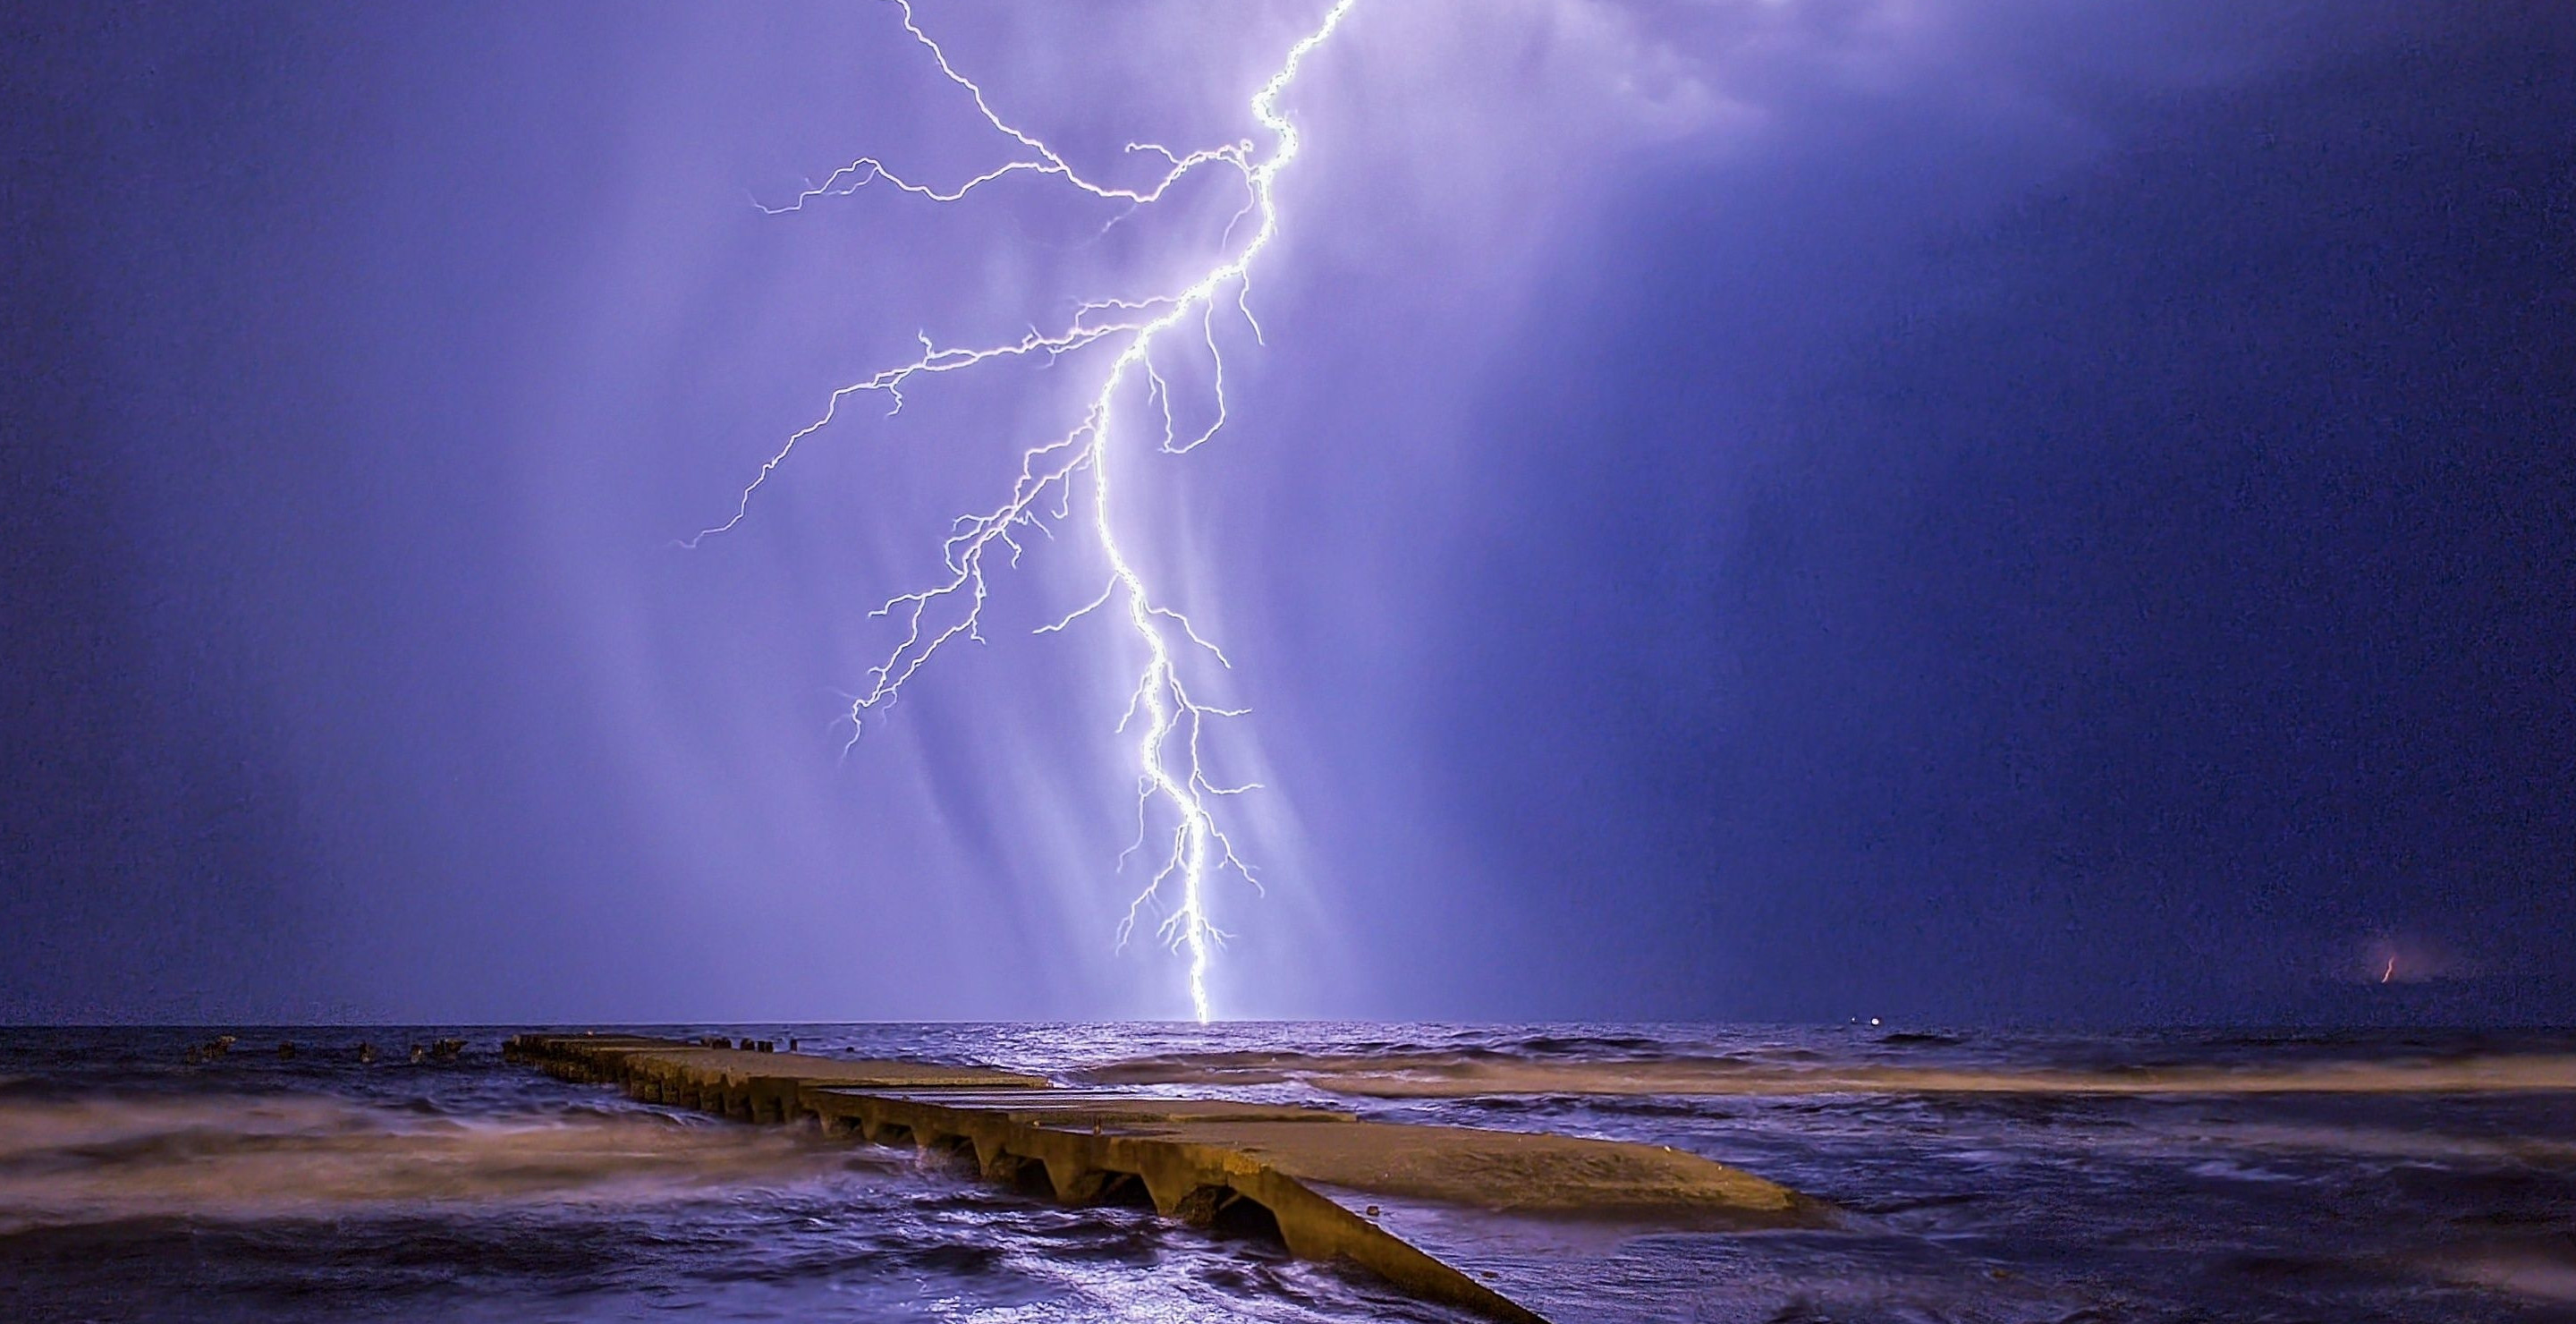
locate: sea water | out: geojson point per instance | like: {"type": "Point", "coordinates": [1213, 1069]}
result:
{"type": "Point", "coordinates": [1978, 1175]}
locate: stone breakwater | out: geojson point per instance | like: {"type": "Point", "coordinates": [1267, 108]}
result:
{"type": "Point", "coordinates": [1303, 1175]}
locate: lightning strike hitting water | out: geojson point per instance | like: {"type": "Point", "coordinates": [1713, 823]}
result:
{"type": "Point", "coordinates": [1172, 781]}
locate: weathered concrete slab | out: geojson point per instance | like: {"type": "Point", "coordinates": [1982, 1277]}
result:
{"type": "Point", "coordinates": [624, 1054]}
{"type": "Point", "coordinates": [1304, 1174]}
{"type": "Point", "coordinates": [1515, 1172]}
{"type": "Point", "coordinates": [1077, 1109]}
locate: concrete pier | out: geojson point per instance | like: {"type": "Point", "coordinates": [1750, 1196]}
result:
{"type": "Point", "coordinates": [1301, 1172]}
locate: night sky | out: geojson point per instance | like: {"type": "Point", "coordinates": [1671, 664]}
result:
{"type": "Point", "coordinates": [1958, 512]}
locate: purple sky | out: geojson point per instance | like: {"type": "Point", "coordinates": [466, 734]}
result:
{"type": "Point", "coordinates": [1951, 511]}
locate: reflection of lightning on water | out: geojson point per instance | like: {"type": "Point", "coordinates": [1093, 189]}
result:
{"type": "Point", "coordinates": [1172, 783]}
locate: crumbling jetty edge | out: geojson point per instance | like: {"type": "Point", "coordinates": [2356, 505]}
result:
{"type": "Point", "coordinates": [1213, 1163]}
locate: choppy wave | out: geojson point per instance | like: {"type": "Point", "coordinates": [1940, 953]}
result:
{"type": "Point", "coordinates": [2525, 1274]}
{"type": "Point", "coordinates": [242, 1156]}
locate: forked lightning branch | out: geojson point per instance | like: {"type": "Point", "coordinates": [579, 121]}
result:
{"type": "Point", "coordinates": [1133, 339]}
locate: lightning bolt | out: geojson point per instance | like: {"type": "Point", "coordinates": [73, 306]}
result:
{"type": "Point", "coordinates": [1173, 785]}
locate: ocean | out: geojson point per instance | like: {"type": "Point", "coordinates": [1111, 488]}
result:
{"type": "Point", "coordinates": [1976, 1175]}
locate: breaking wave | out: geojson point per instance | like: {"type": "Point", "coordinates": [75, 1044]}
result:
{"type": "Point", "coordinates": [245, 1156]}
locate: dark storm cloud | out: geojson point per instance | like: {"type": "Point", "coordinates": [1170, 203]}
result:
{"type": "Point", "coordinates": [1968, 510]}
{"type": "Point", "coordinates": [2132, 591]}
